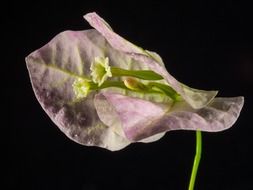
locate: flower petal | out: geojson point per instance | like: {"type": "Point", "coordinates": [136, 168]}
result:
{"type": "Point", "coordinates": [53, 69]}
{"type": "Point", "coordinates": [141, 119]}
{"type": "Point", "coordinates": [132, 108]}
{"type": "Point", "coordinates": [196, 98]}
{"type": "Point", "coordinates": [114, 39]}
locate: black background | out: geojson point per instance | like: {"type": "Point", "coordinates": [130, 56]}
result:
{"type": "Point", "coordinates": [204, 45]}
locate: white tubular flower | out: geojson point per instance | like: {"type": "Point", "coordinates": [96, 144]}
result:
{"type": "Point", "coordinates": [100, 70]}
{"type": "Point", "coordinates": [81, 87]}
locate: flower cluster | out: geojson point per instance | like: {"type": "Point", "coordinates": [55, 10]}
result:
{"type": "Point", "coordinates": [102, 90]}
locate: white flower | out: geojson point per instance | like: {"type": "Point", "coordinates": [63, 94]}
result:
{"type": "Point", "coordinates": [81, 87]}
{"type": "Point", "coordinates": [100, 70]}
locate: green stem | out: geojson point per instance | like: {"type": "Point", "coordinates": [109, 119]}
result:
{"type": "Point", "coordinates": [119, 84]}
{"type": "Point", "coordinates": [196, 160]}
{"type": "Point", "coordinates": [141, 74]}
{"type": "Point", "coordinates": [107, 84]}
{"type": "Point", "coordinates": [166, 89]}
{"type": "Point", "coordinates": [139, 87]}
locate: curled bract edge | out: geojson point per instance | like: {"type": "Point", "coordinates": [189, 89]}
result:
{"type": "Point", "coordinates": [112, 118]}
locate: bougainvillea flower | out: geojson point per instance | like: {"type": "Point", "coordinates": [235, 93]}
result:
{"type": "Point", "coordinates": [101, 90]}
{"type": "Point", "coordinates": [100, 70]}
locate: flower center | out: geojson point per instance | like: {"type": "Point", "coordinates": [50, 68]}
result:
{"type": "Point", "coordinates": [126, 79]}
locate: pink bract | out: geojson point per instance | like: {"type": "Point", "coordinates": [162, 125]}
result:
{"type": "Point", "coordinates": [113, 118]}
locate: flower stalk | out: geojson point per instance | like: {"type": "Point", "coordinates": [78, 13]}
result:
{"type": "Point", "coordinates": [141, 74]}
{"type": "Point", "coordinates": [166, 90]}
{"type": "Point", "coordinates": [82, 87]}
{"type": "Point", "coordinates": [196, 160]}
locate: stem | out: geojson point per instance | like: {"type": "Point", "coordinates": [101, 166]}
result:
{"type": "Point", "coordinates": [119, 84]}
{"type": "Point", "coordinates": [106, 84]}
{"type": "Point", "coordinates": [196, 160]}
{"type": "Point", "coordinates": [141, 74]}
{"type": "Point", "coordinates": [166, 89]}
